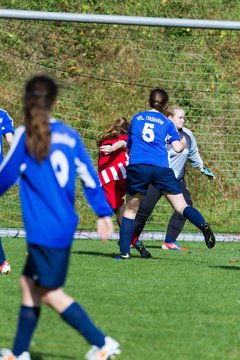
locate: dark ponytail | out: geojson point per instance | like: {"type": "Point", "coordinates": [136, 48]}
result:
{"type": "Point", "coordinates": [158, 100]}
{"type": "Point", "coordinates": [40, 95]}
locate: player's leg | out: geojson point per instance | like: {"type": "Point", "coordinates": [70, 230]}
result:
{"type": "Point", "coordinates": [119, 213]}
{"type": "Point", "coordinates": [5, 267]}
{"type": "Point", "coordinates": [128, 223]}
{"type": "Point", "coordinates": [28, 317]}
{"type": "Point", "coordinates": [193, 215]}
{"type": "Point", "coordinates": [75, 316]}
{"type": "Point", "coordinates": [138, 179]}
{"type": "Point", "coordinates": [176, 223]}
{"type": "Point", "coordinates": [146, 207]}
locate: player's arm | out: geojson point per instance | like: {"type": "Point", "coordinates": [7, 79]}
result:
{"type": "Point", "coordinates": [7, 128]}
{"type": "Point", "coordinates": [9, 138]}
{"type": "Point", "coordinates": [105, 227]}
{"type": "Point", "coordinates": [108, 149]}
{"type": "Point", "coordinates": [10, 167]}
{"type": "Point", "coordinates": [195, 158]}
{"type": "Point", "coordinates": [179, 145]}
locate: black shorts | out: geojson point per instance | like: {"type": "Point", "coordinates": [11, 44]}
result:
{"type": "Point", "coordinates": [139, 176]}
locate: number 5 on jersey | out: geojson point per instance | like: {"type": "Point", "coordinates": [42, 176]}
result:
{"type": "Point", "coordinates": [148, 133]}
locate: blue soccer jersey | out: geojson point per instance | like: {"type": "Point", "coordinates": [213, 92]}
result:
{"type": "Point", "coordinates": [6, 126]}
{"type": "Point", "coordinates": [148, 136]}
{"type": "Point", "coordinates": [47, 190]}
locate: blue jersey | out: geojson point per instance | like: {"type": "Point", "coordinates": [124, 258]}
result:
{"type": "Point", "coordinates": [47, 190]}
{"type": "Point", "coordinates": [149, 133]}
{"type": "Point", "coordinates": [6, 126]}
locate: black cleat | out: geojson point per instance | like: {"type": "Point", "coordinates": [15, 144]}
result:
{"type": "Point", "coordinates": [140, 247]}
{"type": "Point", "coordinates": [208, 235]}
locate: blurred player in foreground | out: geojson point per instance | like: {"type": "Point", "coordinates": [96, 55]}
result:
{"type": "Point", "coordinates": [178, 164]}
{"type": "Point", "coordinates": [46, 155]}
{"type": "Point", "coordinates": [112, 166]}
{"type": "Point", "coordinates": [149, 164]}
{"type": "Point", "coordinates": [7, 130]}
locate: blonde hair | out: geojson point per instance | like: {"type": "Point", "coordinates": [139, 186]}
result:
{"type": "Point", "coordinates": [171, 110]}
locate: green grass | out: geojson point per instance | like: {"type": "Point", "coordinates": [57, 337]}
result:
{"type": "Point", "coordinates": [180, 306]}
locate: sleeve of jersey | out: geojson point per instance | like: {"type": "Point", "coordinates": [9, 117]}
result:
{"type": "Point", "coordinates": [173, 133]}
{"type": "Point", "coordinates": [90, 181]}
{"type": "Point", "coordinates": [10, 167]}
{"type": "Point", "coordinates": [193, 156]}
{"type": "Point", "coordinates": [7, 124]}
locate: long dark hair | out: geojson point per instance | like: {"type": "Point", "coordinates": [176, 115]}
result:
{"type": "Point", "coordinates": [158, 99]}
{"type": "Point", "coordinates": [119, 127]}
{"type": "Point", "coordinates": [40, 95]}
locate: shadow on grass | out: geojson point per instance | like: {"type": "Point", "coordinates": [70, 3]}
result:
{"type": "Point", "coordinates": [94, 253]}
{"type": "Point", "coordinates": [135, 256]}
{"type": "Point", "coordinates": [153, 246]}
{"type": "Point", "coordinates": [226, 267]}
{"type": "Point", "coordinates": [41, 356]}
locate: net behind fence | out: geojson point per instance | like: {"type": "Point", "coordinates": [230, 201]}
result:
{"type": "Point", "coordinates": [106, 71]}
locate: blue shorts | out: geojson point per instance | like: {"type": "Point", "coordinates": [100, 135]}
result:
{"type": "Point", "coordinates": [139, 176]}
{"type": "Point", "coordinates": [47, 266]}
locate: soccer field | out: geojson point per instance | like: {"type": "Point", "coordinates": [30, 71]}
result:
{"type": "Point", "coordinates": [177, 305]}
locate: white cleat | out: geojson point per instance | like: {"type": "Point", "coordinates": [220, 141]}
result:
{"type": "Point", "coordinates": [6, 354]}
{"type": "Point", "coordinates": [109, 350]}
{"type": "Point", "coordinates": [5, 268]}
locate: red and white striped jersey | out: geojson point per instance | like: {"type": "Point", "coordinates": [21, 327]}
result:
{"type": "Point", "coordinates": [112, 167]}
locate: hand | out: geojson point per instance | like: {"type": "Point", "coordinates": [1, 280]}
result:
{"type": "Point", "coordinates": [105, 227]}
{"type": "Point", "coordinates": [107, 149]}
{"type": "Point", "coordinates": [207, 172]}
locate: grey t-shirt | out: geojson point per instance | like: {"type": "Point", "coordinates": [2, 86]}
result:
{"type": "Point", "coordinates": [191, 153]}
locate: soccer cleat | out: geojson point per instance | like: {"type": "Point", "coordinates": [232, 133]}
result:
{"type": "Point", "coordinates": [208, 235]}
{"type": "Point", "coordinates": [126, 256]}
{"type": "Point", "coordinates": [140, 247]}
{"type": "Point", "coordinates": [109, 350]}
{"type": "Point", "coordinates": [6, 354]}
{"type": "Point", "coordinates": [5, 268]}
{"type": "Point", "coordinates": [172, 246]}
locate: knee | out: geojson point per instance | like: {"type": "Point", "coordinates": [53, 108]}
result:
{"type": "Point", "coordinates": [47, 298]}
{"type": "Point", "coordinates": [51, 297]}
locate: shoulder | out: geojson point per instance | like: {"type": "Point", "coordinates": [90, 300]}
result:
{"type": "Point", "coordinates": [139, 116]}
{"type": "Point", "coordinates": [122, 137]}
{"type": "Point", "coordinates": [59, 126]}
{"type": "Point", "coordinates": [188, 132]}
{"type": "Point", "coordinates": [4, 114]}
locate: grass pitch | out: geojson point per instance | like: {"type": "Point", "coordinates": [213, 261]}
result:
{"type": "Point", "coordinates": [175, 306]}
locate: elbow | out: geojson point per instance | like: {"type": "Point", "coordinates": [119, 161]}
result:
{"type": "Point", "coordinates": [179, 148]}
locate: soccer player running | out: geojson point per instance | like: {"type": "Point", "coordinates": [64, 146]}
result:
{"type": "Point", "coordinates": [149, 164]}
{"type": "Point", "coordinates": [46, 155]}
{"type": "Point", "coordinates": [112, 165]}
{"type": "Point", "coordinates": [178, 163]}
{"type": "Point", "coordinates": [7, 130]}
